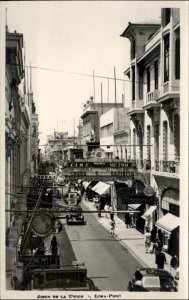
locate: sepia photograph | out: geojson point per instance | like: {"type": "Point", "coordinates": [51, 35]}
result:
{"type": "Point", "coordinates": [94, 149]}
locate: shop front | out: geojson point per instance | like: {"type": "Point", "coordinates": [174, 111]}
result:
{"type": "Point", "coordinates": [135, 203]}
{"type": "Point", "coordinates": [169, 222]}
{"type": "Point", "coordinates": [169, 225]}
{"type": "Point", "coordinates": [102, 191]}
{"type": "Point", "coordinates": [150, 217]}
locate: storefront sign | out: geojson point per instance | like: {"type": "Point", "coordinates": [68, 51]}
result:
{"type": "Point", "coordinates": [42, 261]}
{"type": "Point", "coordinates": [107, 177]}
{"type": "Point", "coordinates": [98, 164]}
{"type": "Point", "coordinates": [135, 199]}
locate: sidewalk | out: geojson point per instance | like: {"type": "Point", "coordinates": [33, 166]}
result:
{"type": "Point", "coordinates": [130, 238]}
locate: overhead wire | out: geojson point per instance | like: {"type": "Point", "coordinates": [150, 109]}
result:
{"type": "Point", "coordinates": [81, 74]}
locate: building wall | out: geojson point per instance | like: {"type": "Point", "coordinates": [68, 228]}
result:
{"type": "Point", "coordinates": [160, 109]}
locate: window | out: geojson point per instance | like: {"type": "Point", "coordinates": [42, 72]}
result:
{"type": "Point", "coordinates": [156, 74]}
{"type": "Point", "coordinates": [148, 79]}
{"type": "Point", "coordinates": [165, 141]}
{"type": "Point", "coordinates": [177, 58]}
{"type": "Point", "coordinates": [133, 84]}
{"type": "Point", "coordinates": [133, 49]}
{"type": "Point", "coordinates": [140, 85]}
{"type": "Point", "coordinates": [134, 143]}
{"type": "Point", "coordinates": [148, 142]}
{"type": "Point", "coordinates": [166, 58]}
{"type": "Point", "coordinates": [167, 15]}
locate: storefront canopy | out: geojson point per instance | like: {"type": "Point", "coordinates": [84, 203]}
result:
{"type": "Point", "coordinates": [101, 188]}
{"type": "Point", "coordinates": [149, 212]}
{"type": "Point", "coordinates": [134, 206]}
{"type": "Point", "coordinates": [86, 184]}
{"type": "Point", "coordinates": [168, 223]}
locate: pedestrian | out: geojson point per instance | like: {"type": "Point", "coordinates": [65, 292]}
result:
{"type": "Point", "coordinates": [153, 239]}
{"type": "Point", "coordinates": [98, 210]}
{"type": "Point", "coordinates": [160, 236]}
{"type": "Point", "coordinates": [174, 264]}
{"type": "Point", "coordinates": [147, 239]}
{"type": "Point", "coordinates": [54, 246]}
{"type": "Point", "coordinates": [112, 227]}
{"type": "Point", "coordinates": [160, 259]}
{"type": "Point", "coordinates": [127, 220]}
{"type": "Point", "coordinates": [111, 211]}
{"type": "Point", "coordinates": [59, 226]}
{"type": "Point", "coordinates": [41, 250]}
{"type": "Point", "coordinates": [106, 208]}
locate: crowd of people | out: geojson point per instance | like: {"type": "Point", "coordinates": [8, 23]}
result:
{"type": "Point", "coordinates": [154, 244]}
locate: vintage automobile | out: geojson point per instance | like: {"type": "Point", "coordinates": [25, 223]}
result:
{"type": "Point", "coordinates": [75, 218]}
{"type": "Point", "coordinates": [151, 279]}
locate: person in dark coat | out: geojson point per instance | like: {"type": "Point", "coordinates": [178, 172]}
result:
{"type": "Point", "coordinates": [160, 236]}
{"type": "Point", "coordinates": [54, 246]}
{"type": "Point", "coordinates": [160, 259]}
{"type": "Point", "coordinates": [127, 220]}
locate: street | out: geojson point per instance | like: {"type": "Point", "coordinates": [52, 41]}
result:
{"type": "Point", "coordinates": [109, 264]}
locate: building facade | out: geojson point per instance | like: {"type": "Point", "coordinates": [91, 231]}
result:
{"type": "Point", "coordinates": [154, 74]}
{"type": "Point", "coordinates": [114, 133]}
{"type": "Point", "coordinates": [91, 123]}
{"type": "Point", "coordinates": [18, 149]}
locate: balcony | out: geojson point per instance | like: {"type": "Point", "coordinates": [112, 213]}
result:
{"type": "Point", "coordinates": [153, 96]}
{"type": "Point", "coordinates": [168, 167]}
{"type": "Point", "coordinates": [137, 104]}
{"type": "Point", "coordinates": [169, 91]}
{"type": "Point", "coordinates": [136, 108]}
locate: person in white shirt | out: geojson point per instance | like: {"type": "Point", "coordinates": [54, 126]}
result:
{"type": "Point", "coordinates": [106, 209]}
{"type": "Point", "coordinates": [147, 240]}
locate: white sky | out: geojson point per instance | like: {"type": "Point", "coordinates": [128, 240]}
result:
{"type": "Point", "coordinates": [75, 36]}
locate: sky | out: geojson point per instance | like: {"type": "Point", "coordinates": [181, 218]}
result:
{"type": "Point", "coordinates": [68, 37]}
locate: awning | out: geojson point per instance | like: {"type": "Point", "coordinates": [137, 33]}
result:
{"type": "Point", "coordinates": [86, 184]}
{"type": "Point", "coordinates": [101, 188]}
{"type": "Point", "coordinates": [134, 206]}
{"type": "Point", "coordinates": [168, 222]}
{"type": "Point", "coordinates": [149, 212]}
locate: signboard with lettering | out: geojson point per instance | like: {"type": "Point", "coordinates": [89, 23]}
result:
{"type": "Point", "coordinates": [42, 261]}
{"type": "Point", "coordinates": [137, 199]}
{"type": "Point", "coordinates": [99, 164]}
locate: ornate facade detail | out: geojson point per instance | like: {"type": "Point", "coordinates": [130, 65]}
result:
{"type": "Point", "coordinates": [138, 120]}
{"type": "Point", "coordinates": [170, 107]}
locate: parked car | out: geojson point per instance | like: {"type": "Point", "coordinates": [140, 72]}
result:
{"type": "Point", "coordinates": [151, 279]}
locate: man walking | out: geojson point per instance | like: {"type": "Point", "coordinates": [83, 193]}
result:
{"type": "Point", "coordinates": [111, 211]}
{"type": "Point", "coordinates": [160, 259]}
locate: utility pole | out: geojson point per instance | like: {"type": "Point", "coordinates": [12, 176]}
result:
{"type": "Point", "coordinates": [94, 84]}
{"type": "Point", "coordinates": [101, 99]}
{"type": "Point", "coordinates": [115, 87]}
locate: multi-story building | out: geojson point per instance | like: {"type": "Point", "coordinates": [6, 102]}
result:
{"type": "Point", "coordinates": [13, 119]}
{"type": "Point", "coordinates": [154, 74]}
{"type": "Point", "coordinates": [114, 133]}
{"type": "Point", "coordinates": [18, 147]}
{"type": "Point", "coordinates": [62, 147]}
{"type": "Point", "coordinates": [91, 123]}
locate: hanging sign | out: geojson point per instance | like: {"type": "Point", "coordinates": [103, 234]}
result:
{"type": "Point", "coordinates": [43, 223]}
